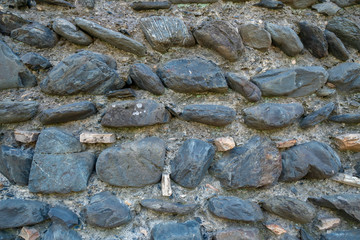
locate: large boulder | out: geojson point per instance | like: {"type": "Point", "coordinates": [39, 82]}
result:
{"type": "Point", "coordinates": [345, 29]}
{"type": "Point", "coordinates": [346, 77]}
{"type": "Point", "coordinates": [13, 112]}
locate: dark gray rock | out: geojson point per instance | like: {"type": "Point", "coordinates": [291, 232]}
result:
{"type": "Point", "coordinates": [304, 235]}
{"type": "Point", "coordinates": [317, 116]}
{"type": "Point", "coordinates": [13, 112]}
{"type": "Point", "coordinates": [107, 211]}
{"type": "Point", "coordinates": [291, 82]}
{"type": "Point", "coordinates": [299, 3]}
{"type": "Point", "coordinates": [336, 46]}
{"type": "Point", "coordinates": [267, 116]}
{"type": "Point", "coordinates": [259, 156]}
{"type": "Point", "coordinates": [285, 38]}
{"type": "Point", "coordinates": [15, 164]}
{"type": "Point", "coordinates": [63, 215]}
{"type": "Point", "coordinates": [83, 72]}
{"type": "Point", "coordinates": [192, 1]}
{"type": "Point", "coordinates": [35, 61]}
{"type": "Point", "coordinates": [327, 8]}
{"type": "Point", "coordinates": [121, 93]}
{"type": "Point", "coordinates": [242, 85]}
{"type": "Point", "coordinates": [135, 113]}
{"type": "Point", "coordinates": [191, 163]}
{"type": "Point", "coordinates": [234, 208]}
{"type": "Point", "coordinates": [271, 4]}
{"type": "Point", "coordinates": [86, 3]}
{"type": "Point", "coordinates": [313, 159]}
{"type": "Point", "coordinates": [14, 74]}
{"type": "Point", "coordinates": [116, 39]}
{"type": "Point", "coordinates": [165, 32]}
{"type": "Point", "coordinates": [313, 39]}
{"type": "Point", "coordinates": [57, 2]}
{"type": "Point", "coordinates": [143, 76]}
{"type": "Point", "coordinates": [345, 3]}
{"type": "Point", "coordinates": [287, 236]}
{"type": "Point", "coordinates": [341, 235]}
{"type": "Point", "coordinates": [67, 113]}
{"type": "Point", "coordinates": [237, 233]}
{"type": "Point", "coordinates": [222, 37]}
{"type": "Point", "coordinates": [18, 212]}
{"type": "Point", "coordinates": [58, 231]}
{"type": "Point", "coordinates": [175, 231]}
{"type": "Point", "coordinates": [195, 75]}
{"type": "Point", "coordinates": [346, 118]}
{"type": "Point", "coordinates": [134, 164]}
{"type": "Point", "coordinates": [215, 115]}
{"type": "Point", "coordinates": [70, 32]}
{"type": "Point", "coordinates": [139, 6]}
{"type": "Point", "coordinates": [255, 36]}
{"type": "Point", "coordinates": [345, 29]}
{"type": "Point", "coordinates": [346, 77]}
{"type": "Point", "coordinates": [9, 22]}
{"type": "Point", "coordinates": [169, 207]}
{"type": "Point", "coordinates": [7, 235]}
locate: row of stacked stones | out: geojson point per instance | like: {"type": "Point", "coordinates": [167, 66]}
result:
{"type": "Point", "coordinates": [59, 163]}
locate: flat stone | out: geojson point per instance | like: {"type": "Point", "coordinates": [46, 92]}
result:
{"type": "Point", "coordinates": [13, 112]}
{"type": "Point", "coordinates": [304, 235]}
{"type": "Point", "coordinates": [299, 3]}
{"type": "Point", "coordinates": [327, 8]}
{"type": "Point", "coordinates": [121, 93]}
{"type": "Point", "coordinates": [291, 82]}
{"type": "Point", "coordinates": [237, 233]}
{"type": "Point", "coordinates": [191, 163]}
{"type": "Point", "coordinates": [35, 61]}
{"type": "Point", "coordinates": [328, 223]}
{"type": "Point", "coordinates": [107, 211]}
{"type": "Point", "coordinates": [255, 36]}
{"type": "Point", "coordinates": [259, 156]}
{"type": "Point", "coordinates": [348, 142]}
{"type": "Point", "coordinates": [313, 39]}
{"type": "Point", "coordinates": [116, 39]}
{"type": "Point", "coordinates": [270, 4]}
{"type": "Point", "coordinates": [59, 3]}
{"type": "Point", "coordinates": [275, 228]}
{"type": "Point", "coordinates": [18, 212]}
{"type": "Point", "coordinates": [346, 118]}
{"type": "Point", "coordinates": [242, 85]}
{"type": "Point", "coordinates": [287, 236]}
{"type": "Point", "coordinates": [341, 235]}
{"type": "Point", "coordinates": [83, 72]}
{"type": "Point", "coordinates": [97, 137]}
{"type": "Point", "coordinates": [345, 29]}
{"type": "Point", "coordinates": [215, 115]}
{"type": "Point", "coordinates": [169, 207]}
{"type": "Point", "coordinates": [224, 144]}
{"type": "Point", "coordinates": [222, 37]}
{"type": "Point", "coordinates": [267, 116]}
{"type": "Point", "coordinates": [317, 116]}
{"type": "Point", "coordinates": [143, 76]}
{"type": "Point", "coordinates": [233, 208]}
{"type": "Point", "coordinates": [9, 22]}
{"type": "Point", "coordinates": [195, 75]}
{"type": "Point", "coordinates": [325, 91]}
{"type": "Point", "coordinates": [63, 215]}
{"type": "Point", "coordinates": [67, 113]}
{"type": "Point", "coordinates": [134, 164]}
{"type": "Point", "coordinates": [59, 231]}
{"type": "Point", "coordinates": [26, 136]}
{"type": "Point", "coordinates": [166, 190]}
{"type": "Point", "coordinates": [136, 113]}
{"type": "Point", "coordinates": [90, 4]}
{"type": "Point", "coordinates": [286, 144]}
{"type": "Point", "coordinates": [345, 3]}
{"type": "Point", "coordinates": [165, 32]}
{"type": "Point", "coordinates": [192, 1]}
{"type": "Point", "coordinates": [285, 38]}
{"type": "Point", "coordinates": [70, 32]}
{"type": "Point", "coordinates": [176, 231]}
{"type": "Point", "coordinates": [346, 77]}
{"type": "Point", "coordinates": [139, 6]}
{"type": "Point", "coordinates": [29, 233]}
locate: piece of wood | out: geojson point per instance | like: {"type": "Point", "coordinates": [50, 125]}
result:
{"type": "Point", "coordinates": [348, 142]}
{"type": "Point", "coordinates": [26, 136]}
{"type": "Point", "coordinates": [97, 138]}
{"type": "Point", "coordinates": [346, 179]}
{"type": "Point", "coordinates": [166, 185]}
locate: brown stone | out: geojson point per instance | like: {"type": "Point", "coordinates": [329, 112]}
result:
{"type": "Point", "coordinates": [349, 141]}
{"type": "Point", "coordinates": [29, 233]}
{"type": "Point", "coordinates": [224, 143]}
{"type": "Point", "coordinates": [97, 138]}
{"type": "Point", "coordinates": [328, 223]}
{"type": "Point", "coordinates": [276, 229]}
{"type": "Point", "coordinates": [286, 144]}
{"type": "Point", "coordinates": [26, 136]}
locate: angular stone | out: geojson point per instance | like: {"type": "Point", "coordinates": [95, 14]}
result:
{"type": "Point", "coordinates": [342, 235]}
{"type": "Point", "coordinates": [234, 208]}
{"type": "Point", "coordinates": [139, 6]}
{"type": "Point", "coordinates": [97, 138]}
{"type": "Point", "coordinates": [285, 38]}
{"type": "Point", "coordinates": [136, 113]}
{"type": "Point", "coordinates": [287, 236]}
{"type": "Point", "coordinates": [242, 85]}
{"type": "Point", "coordinates": [13, 112]}
{"type": "Point", "coordinates": [14, 74]}
{"type": "Point", "coordinates": [192, 1]}
{"type": "Point", "coordinates": [258, 156]}
{"type": "Point", "coordinates": [121, 93]}
{"type": "Point", "coordinates": [237, 233]}
{"type": "Point", "coordinates": [35, 61]}
{"type": "Point", "coordinates": [348, 142]}
{"type": "Point", "coordinates": [191, 163]}
{"type": "Point", "coordinates": [267, 116]}
{"type": "Point", "coordinates": [222, 37]}
{"type": "Point", "coordinates": [275, 228]}
{"type": "Point", "coordinates": [325, 91]}
{"type": "Point", "coordinates": [83, 72]}
{"type": "Point", "coordinates": [255, 36]}
{"type": "Point", "coordinates": [116, 39]}
{"type": "Point", "coordinates": [60, 232]}
{"type": "Point", "coordinates": [9, 22]}
{"type": "Point", "coordinates": [87, 3]}
{"type": "Point", "coordinates": [63, 215]}
{"type": "Point", "coordinates": [169, 207]}
{"type": "Point", "coordinates": [215, 115]}
{"type": "Point", "coordinates": [346, 118]}
{"type": "Point", "coordinates": [224, 144]}
{"type": "Point", "coordinates": [317, 116]}
{"type": "Point", "coordinates": [336, 46]}
{"type": "Point", "coordinates": [345, 29]}
{"type": "Point", "coordinates": [195, 75]}
{"type": "Point", "coordinates": [346, 77]}
{"type": "Point", "coordinates": [291, 82]}
{"type": "Point", "coordinates": [29, 233]}
{"type": "Point", "coordinates": [176, 231]}
{"type": "Point", "coordinates": [327, 8]}
{"type": "Point", "coordinates": [271, 4]}
{"type": "Point", "coordinates": [70, 32]}
{"type": "Point", "coordinates": [67, 113]}
{"type": "Point", "coordinates": [286, 144]}
{"type": "Point", "coordinates": [107, 211]}
{"type": "Point", "coordinates": [18, 212]}
{"type": "Point", "coordinates": [313, 39]}
{"type": "Point", "coordinates": [26, 136]}
{"type": "Point", "coordinates": [304, 235]}
{"type": "Point", "coordinates": [58, 2]}
{"type": "Point", "coordinates": [134, 164]}
{"type": "Point", "coordinates": [146, 79]}
{"type": "Point", "coordinates": [299, 3]}
{"type": "Point", "coordinates": [328, 223]}
{"type": "Point", "coordinates": [345, 3]}
{"type": "Point", "coordinates": [165, 32]}
{"type": "Point", "coordinates": [166, 190]}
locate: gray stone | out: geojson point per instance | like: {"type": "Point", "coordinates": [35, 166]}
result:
{"type": "Point", "coordinates": [87, 3]}
{"type": "Point", "coordinates": [237, 234]}
{"type": "Point", "coordinates": [222, 37]}
{"type": "Point", "coordinates": [346, 77]}
{"type": "Point", "coordinates": [346, 118]}
{"type": "Point", "coordinates": [13, 112]}
{"type": "Point", "coordinates": [35, 61]}
{"type": "Point", "coordinates": [242, 85]}
{"type": "Point", "coordinates": [83, 72]}
{"type": "Point", "coordinates": [70, 32]}
{"type": "Point", "coordinates": [336, 46]}
{"type": "Point", "coordinates": [107, 211]}
{"type": "Point", "coordinates": [313, 39]}
{"type": "Point", "coordinates": [255, 36]}
{"type": "Point", "coordinates": [59, 231]}
{"type": "Point", "coordinates": [345, 29]}
{"type": "Point", "coordinates": [63, 215]}
{"type": "Point", "coordinates": [345, 3]}
{"type": "Point", "coordinates": [191, 163]}
{"type": "Point", "coordinates": [317, 116]}
{"type": "Point", "coordinates": [121, 93]}
{"type": "Point", "coordinates": [192, 1]}
{"type": "Point", "coordinates": [304, 235]}
{"type": "Point", "coordinates": [165, 32]}
{"type": "Point", "coordinates": [267, 116]}
{"type": "Point", "coordinates": [291, 82]}
{"type": "Point", "coordinates": [18, 212]}
{"type": "Point", "coordinates": [327, 8]}
{"type": "Point", "coordinates": [325, 91]}
{"type": "Point", "coordinates": [255, 164]}
{"type": "Point", "coordinates": [169, 207]}
{"type": "Point", "coordinates": [215, 115]}
{"type": "Point", "coordinates": [315, 160]}
{"type": "Point", "coordinates": [135, 113]}
{"type": "Point", "coordinates": [143, 76]}
{"type": "Point", "coordinates": [176, 231]}
{"type": "Point", "coordinates": [7, 235]}
{"type": "Point", "coordinates": [69, 112]}
{"type": "Point", "coordinates": [195, 75]}
{"type": "Point", "coordinates": [299, 3]}
{"type": "Point", "coordinates": [271, 4]}
{"type": "Point", "coordinates": [287, 236]}
{"type": "Point", "coordinates": [341, 235]}
{"type": "Point", "coordinates": [9, 22]}
{"type": "Point", "coordinates": [58, 2]}
{"type": "Point", "coordinates": [134, 164]}
{"type": "Point", "coordinates": [139, 6]}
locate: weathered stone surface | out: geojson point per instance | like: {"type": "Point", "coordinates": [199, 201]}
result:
{"type": "Point", "coordinates": [346, 118]}
{"type": "Point", "coordinates": [234, 208]}
{"type": "Point", "coordinates": [317, 116]}
{"type": "Point", "coordinates": [67, 113]}
{"type": "Point", "coordinates": [107, 211]}
{"type": "Point", "coordinates": [304, 235]}
{"type": "Point", "coordinates": [346, 77]}
{"type": "Point", "coordinates": [275, 228]}
{"type": "Point", "coordinates": [121, 93]}
{"type": "Point", "coordinates": [63, 215]}
{"type": "Point", "coordinates": [345, 29]}
{"type": "Point", "coordinates": [342, 235]}
{"type": "Point", "coordinates": [237, 233]}
{"type": "Point", "coordinates": [348, 142]}
{"type": "Point", "coordinates": [58, 2]}
{"type": "Point", "coordinates": [222, 37]}
{"type": "Point", "coordinates": [13, 72]}
{"type": "Point", "coordinates": [83, 72]}
{"type": "Point", "coordinates": [18, 212]}
{"type": "Point", "coordinates": [139, 6]}
{"type": "Point", "coordinates": [299, 3]}
{"type": "Point", "coordinates": [327, 8]}
{"type": "Point", "coordinates": [242, 85]}
{"type": "Point", "coordinates": [313, 159]}
{"type": "Point", "coordinates": [267, 116]}
{"type": "Point", "coordinates": [192, 1]}
{"type": "Point", "coordinates": [86, 3]}
{"type": "Point", "coordinates": [291, 82]}
{"type": "Point", "coordinates": [165, 32]}
{"type": "Point", "coordinates": [345, 3]}
{"type": "Point", "coordinates": [7, 235]}
{"type": "Point", "coordinates": [176, 231]}
{"type": "Point", "coordinates": [259, 156]}
{"type": "Point", "coordinates": [70, 32]}
{"type": "Point", "coordinates": [59, 231]}
{"type": "Point", "coordinates": [146, 79]}
{"type": "Point", "coordinates": [255, 36]}
{"type": "Point", "coordinates": [9, 22]}
{"type": "Point", "coordinates": [35, 61]}
{"type": "Point", "coordinates": [134, 164]}
{"type": "Point", "coordinates": [26, 136]}
{"type": "Point", "coordinates": [13, 112]}
{"type": "Point", "coordinates": [285, 38]}
{"type": "Point", "coordinates": [271, 4]}
{"type": "Point", "coordinates": [325, 91]}
{"type": "Point", "coordinates": [313, 39]}
{"type": "Point", "coordinates": [169, 207]}
{"type": "Point", "coordinates": [166, 190]}
{"type": "Point", "coordinates": [215, 115]}
{"type": "Point", "coordinates": [97, 138]}
{"type": "Point", "coordinates": [116, 39]}
{"type": "Point", "coordinates": [336, 46]}
{"type": "Point", "coordinates": [290, 208]}
{"type": "Point", "coordinates": [286, 144]}
{"type": "Point", "coordinates": [136, 113]}
{"type": "Point", "coordinates": [328, 223]}
{"type": "Point", "coordinates": [224, 144]}
{"type": "Point", "coordinates": [195, 75]}
{"type": "Point", "coordinates": [192, 162]}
